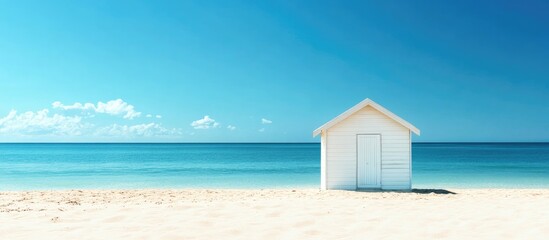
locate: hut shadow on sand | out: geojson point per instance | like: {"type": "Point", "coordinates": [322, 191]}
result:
{"type": "Point", "coordinates": [429, 191]}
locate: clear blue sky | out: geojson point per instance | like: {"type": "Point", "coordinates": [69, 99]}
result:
{"type": "Point", "coordinates": [270, 71]}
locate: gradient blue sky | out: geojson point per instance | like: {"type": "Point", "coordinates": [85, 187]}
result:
{"type": "Point", "coordinates": [272, 70]}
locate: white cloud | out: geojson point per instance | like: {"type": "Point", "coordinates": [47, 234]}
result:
{"type": "Point", "coordinates": [231, 127]}
{"type": "Point", "coordinates": [205, 123]}
{"type": "Point", "coordinates": [41, 123]}
{"type": "Point", "coordinates": [266, 121]}
{"type": "Point", "coordinates": [145, 129]}
{"type": "Point", "coordinates": [156, 116]}
{"type": "Point", "coordinates": [113, 107]}
{"type": "Point", "coordinates": [261, 130]}
{"type": "Point", "coordinates": [116, 107]}
{"type": "Point", "coordinates": [77, 105]}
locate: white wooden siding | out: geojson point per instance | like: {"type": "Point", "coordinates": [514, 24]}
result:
{"type": "Point", "coordinates": [341, 157]}
{"type": "Point", "coordinates": [323, 162]}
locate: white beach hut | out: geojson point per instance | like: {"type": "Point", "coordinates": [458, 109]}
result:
{"type": "Point", "coordinates": [366, 147]}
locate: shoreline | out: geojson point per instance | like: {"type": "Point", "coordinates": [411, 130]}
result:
{"type": "Point", "coordinates": [274, 214]}
{"type": "Point", "coordinates": [304, 188]}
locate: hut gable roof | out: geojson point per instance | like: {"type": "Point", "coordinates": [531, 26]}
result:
{"type": "Point", "coordinates": [366, 102]}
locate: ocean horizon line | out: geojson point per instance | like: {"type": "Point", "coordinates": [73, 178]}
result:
{"type": "Point", "coordinates": [441, 142]}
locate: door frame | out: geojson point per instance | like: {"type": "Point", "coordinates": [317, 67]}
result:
{"type": "Point", "coordinates": [380, 160]}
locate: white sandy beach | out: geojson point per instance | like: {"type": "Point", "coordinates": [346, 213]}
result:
{"type": "Point", "coordinates": [274, 214]}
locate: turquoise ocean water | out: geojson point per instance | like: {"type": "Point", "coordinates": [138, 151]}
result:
{"type": "Point", "coordinates": [108, 166]}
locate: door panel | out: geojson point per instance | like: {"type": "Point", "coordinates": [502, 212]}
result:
{"type": "Point", "coordinates": [369, 161]}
